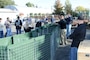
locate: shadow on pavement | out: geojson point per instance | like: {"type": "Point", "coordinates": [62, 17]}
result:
{"type": "Point", "coordinates": [63, 52]}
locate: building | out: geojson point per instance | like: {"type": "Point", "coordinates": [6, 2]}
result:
{"type": "Point", "coordinates": [4, 13]}
{"type": "Point", "coordinates": [26, 11]}
{"type": "Point", "coordinates": [12, 12]}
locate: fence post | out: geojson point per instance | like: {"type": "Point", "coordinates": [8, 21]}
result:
{"type": "Point", "coordinates": [52, 47]}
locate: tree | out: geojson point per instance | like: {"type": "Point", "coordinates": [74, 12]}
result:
{"type": "Point", "coordinates": [28, 4]}
{"type": "Point", "coordinates": [58, 7]}
{"type": "Point", "coordinates": [39, 14]}
{"type": "Point", "coordinates": [4, 3]}
{"type": "Point", "coordinates": [35, 14]}
{"type": "Point", "coordinates": [79, 9]}
{"type": "Point", "coordinates": [74, 14]}
{"type": "Point", "coordinates": [31, 14]}
{"type": "Point", "coordinates": [82, 11]}
{"type": "Point", "coordinates": [86, 13]}
{"type": "Point", "coordinates": [68, 8]}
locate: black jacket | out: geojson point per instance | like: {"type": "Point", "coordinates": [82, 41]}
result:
{"type": "Point", "coordinates": [62, 24]}
{"type": "Point", "coordinates": [18, 24]}
{"type": "Point", "coordinates": [38, 24]}
{"type": "Point", "coordinates": [79, 33]}
{"type": "Point", "coordinates": [69, 20]}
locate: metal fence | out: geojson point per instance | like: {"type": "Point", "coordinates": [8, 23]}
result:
{"type": "Point", "coordinates": [4, 42]}
{"type": "Point", "coordinates": [39, 44]}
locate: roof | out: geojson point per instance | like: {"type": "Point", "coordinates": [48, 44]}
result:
{"type": "Point", "coordinates": [28, 9]}
{"type": "Point", "coordinates": [3, 10]}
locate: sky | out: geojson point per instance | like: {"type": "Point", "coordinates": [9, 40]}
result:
{"type": "Point", "coordinates": [50, 3]}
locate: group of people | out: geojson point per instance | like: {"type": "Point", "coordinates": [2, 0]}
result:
{"type": "Point", "coordinates": [77, 36]}
{"type": "Point", "coordinates": [8, 28]}
{"type": "Point", "coordinates": [25, 23]}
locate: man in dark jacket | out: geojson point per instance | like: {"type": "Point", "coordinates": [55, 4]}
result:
{"type": "Point", "coordinates": [18, 24]}
{"type": "Point", "coordinates": [77, 36]}
{"type": "Point", "coordinates": [62, 24]}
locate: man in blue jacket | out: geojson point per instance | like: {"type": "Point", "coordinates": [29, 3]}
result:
{"type": "Point", "coordinates": [69, 24]}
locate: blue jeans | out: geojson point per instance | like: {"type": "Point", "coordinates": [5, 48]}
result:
{"type": "Point", "coordinates": [1, 34]}
{"type": "Point", "coordinates": [68, 26]}
{"type": "Point", "coordinates": [18, 31]}
{"type": "Point", "coordinates": [73, 53]}
{"type": "Point", "coordinates": [9, 33]}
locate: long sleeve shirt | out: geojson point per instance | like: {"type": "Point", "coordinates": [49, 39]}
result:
{"type": "Point", "coordinates": [79, 33]}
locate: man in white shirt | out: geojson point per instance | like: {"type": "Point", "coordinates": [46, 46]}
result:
{"type": "Point", "coordinates": [27, 26]}
{"type": "Point", "coordinates": [8, 27]}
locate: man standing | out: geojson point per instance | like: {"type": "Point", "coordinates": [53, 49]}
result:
{"type": "Point", "coordinates": [27, 25]}
{"type": "Point", "coordinates": [1, 28]}
{"type": "Point", "coordinates": [62, 24]}
{"type": "Point", "coordinates": [52, 19]}
{"type": "Point", "coordinates": [18, 24]}
{"type": "Point", "coordinates": [77, 36]}
{"type": "Point", "coordinates": [68, 25]}
{"type": "Point", "coordinates": [8, 27]}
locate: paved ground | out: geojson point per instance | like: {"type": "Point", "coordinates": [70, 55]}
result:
{"type": "Point", "coordinates": [63, 51]}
